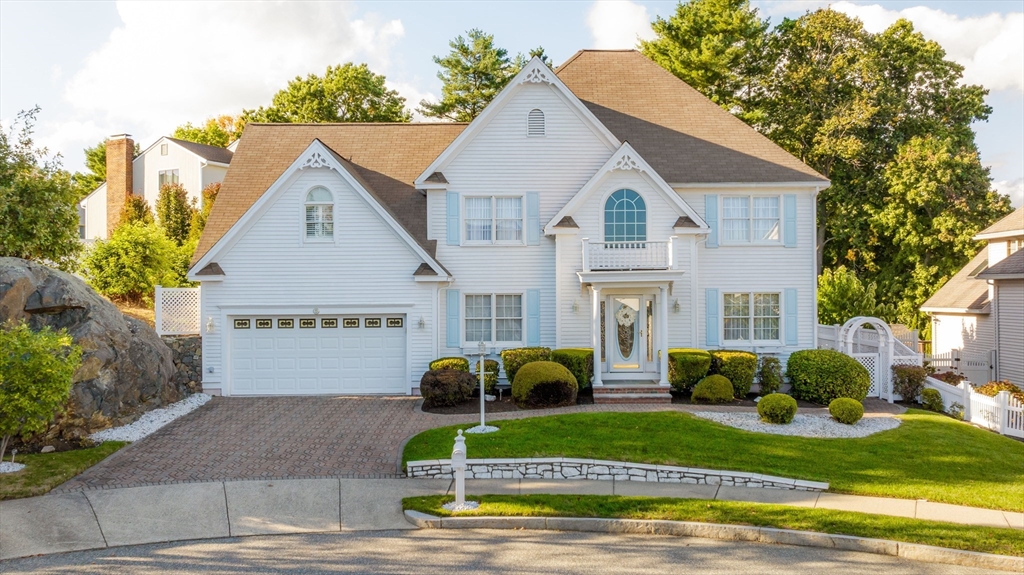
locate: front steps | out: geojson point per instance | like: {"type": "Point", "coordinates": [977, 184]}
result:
{"type": "Point", "coordinates": [632, 392]}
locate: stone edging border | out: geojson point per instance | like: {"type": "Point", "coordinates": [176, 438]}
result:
{"type": "Point", "coordinates": [600, 470]}
{"type": "Point", "coordinates": [912, 551]}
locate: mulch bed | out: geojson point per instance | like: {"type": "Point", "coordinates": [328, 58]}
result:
{"type": "Point", "coordinates": [746, 402]}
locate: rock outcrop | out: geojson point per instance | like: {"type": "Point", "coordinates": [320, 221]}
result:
{"type": "Point", "coordinates": [126, 368]}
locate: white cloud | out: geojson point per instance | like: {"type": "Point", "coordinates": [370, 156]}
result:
{"type": "Point", "coordinates": [1012, 188]}
{"type": "Point", "coordinates": [618, 24]}
{"type": "Point", "coordinates": [991, 47]}
{"type": "Point", "coordinates": [413, 96]}
{"type": "Point", "coordinates": [169, 63]}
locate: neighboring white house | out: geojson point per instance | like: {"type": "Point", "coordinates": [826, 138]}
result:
{"type": "Point", "coordinates": [605, 205]}
{"type": "Point", "coordinates": [981, 308]}
{"type": "Point", "coordinates": [168, 160]}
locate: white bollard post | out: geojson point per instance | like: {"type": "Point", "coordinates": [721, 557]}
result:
{"type": "Point", "coordinates": [459, 467]}
{"type": "Point", "coordinates": [483, 375]}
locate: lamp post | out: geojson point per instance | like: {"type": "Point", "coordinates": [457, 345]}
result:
{"type": "Point", "coordinates": [483, 427]}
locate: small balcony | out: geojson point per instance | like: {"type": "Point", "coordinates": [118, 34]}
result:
{"type": "Point", "coordinates": [628, 256]}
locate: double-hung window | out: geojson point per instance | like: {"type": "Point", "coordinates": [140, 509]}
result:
{"type": "Point", "coordinates": [751, 317]}
{"type": "Point", "coordinates": [750, 219]}
{"type": "Point", "coordinates": [494, 318]}
{"type": "Point", "coordinates": [494, 220]}
{"type": "Point", "coordinates": [168, 177]}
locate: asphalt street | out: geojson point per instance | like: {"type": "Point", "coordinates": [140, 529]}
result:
{"type": "Point", "coordinates": [472, 551]}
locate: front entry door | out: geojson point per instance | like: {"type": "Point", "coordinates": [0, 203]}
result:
{"type": "Point", "coordinates": [629, 332]}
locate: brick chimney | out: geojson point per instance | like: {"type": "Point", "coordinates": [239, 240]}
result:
{"type": "Point", "coordinates": [120, 148]}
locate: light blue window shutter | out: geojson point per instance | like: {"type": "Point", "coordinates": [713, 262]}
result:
{"type": "Point", "coordinates": [532, 219]}
{"type": "Point", "coordinates": [453, 219]}
{"type": "Point", "coordinates": [454, 338]}
{"type": "Point", "coordinates": [533, 317]}
{"type": "Point", "coordinates": [789, 220]}
{"type": "Point", "coordinates": [711, 325]}
{"type": "Point", "coordinates": [792, 327]}
{"type": "Point", "coordinates": [711, 217]}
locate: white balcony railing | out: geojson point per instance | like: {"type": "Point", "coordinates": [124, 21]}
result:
{"type": "Point", "coordinates": [611, 256]}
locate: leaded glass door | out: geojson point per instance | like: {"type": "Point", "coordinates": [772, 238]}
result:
{"type": "Point", "coordinates": [627, 340]}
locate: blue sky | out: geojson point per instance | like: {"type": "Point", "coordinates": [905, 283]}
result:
{"type": "Point", "coordinates": [99, 68]}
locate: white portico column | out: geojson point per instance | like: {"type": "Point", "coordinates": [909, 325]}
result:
{"type": "Point", "coordinates": [595, 293]}
{"type": "Point", "coordinates": [663, 328]}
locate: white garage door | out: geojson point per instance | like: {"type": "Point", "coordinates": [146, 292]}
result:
{"type": "Point", "coordinates": [317, 355]}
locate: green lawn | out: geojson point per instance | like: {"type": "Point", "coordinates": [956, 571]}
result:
{"type": "Point", "coordinates": [929, 456]}
{"type": "Point", "coordinates": [971, 538]}
{"type": "Point", "coordinates": [44, 471]}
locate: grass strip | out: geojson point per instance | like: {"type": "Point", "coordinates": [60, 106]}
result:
{"type": "Point", "coordinates": [950, 535]}
{"type": "Point", "coordinates": [44, 471]}
{"type": "Point", "coordinates": [929, 456]}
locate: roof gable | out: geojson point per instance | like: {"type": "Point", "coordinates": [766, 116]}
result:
{"type": "Point", "coordinates": [1008, 226]}
{"type": "Point", "coordinates": [686, 137]}
{"type": "Point", "coordinates": [627, 159]}
{"type": "Point", "coordinates": [316, 155]}
{"type": "Point", "coordinates": [964, 292]}
{"type": "Point", "coordinates": [535, 72]}
{"type": "Point", "coordinates": [208, 153]}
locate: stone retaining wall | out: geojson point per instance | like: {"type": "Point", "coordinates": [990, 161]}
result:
{"type": "Point", "coordinates": [188, 361]}
{"type": "Point", "coordinates": [598, 470]}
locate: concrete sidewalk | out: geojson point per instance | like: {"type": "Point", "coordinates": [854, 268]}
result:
{"type": "Point", "coordinates": [96, 519]}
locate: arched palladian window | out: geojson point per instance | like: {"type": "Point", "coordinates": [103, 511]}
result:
{"type": "Point", "coordinates": [625, 217]}
{"type": "Point", "coordinates": [535, 123]}
{"type": "Point", "coordinates": [319, 214]}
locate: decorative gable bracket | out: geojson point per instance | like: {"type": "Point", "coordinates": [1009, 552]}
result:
{"type": "Point", "coordinates": [314, 159]}
{"type": "Point", "coordinates": [536, 73]}
{"type": "Point", "coordinates": [626, 162]}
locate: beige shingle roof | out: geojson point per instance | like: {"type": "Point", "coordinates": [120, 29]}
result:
{"type": "Point", "coordinates": [1012, 222]}
{"type": "Point", "coordinates": [387, 157]}
{"type": "Point", "coordinates": [964, 290]}
{"type": "Point", "coordinates": [684, 136]}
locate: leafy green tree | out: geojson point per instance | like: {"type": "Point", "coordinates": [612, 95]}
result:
{"type": "Point", "coordinates": [38, 202]}
{"type": "Point", "coordinates": [938, 199]}
{"type": "Point", "coordinates": [346, 93]}
{"type": "Point", "coordinates": [473, 73]}
{"type": "Point", "coordinates": [200, 216]}
{"type": "Point", "coordinates": [135, 209]}
{"type": "Point", "coordinates": [96, 164]}
{"type": "Point", "coordinates": [715, 46]}
{"type": "Point", "coordinates": [841, 296]}
{"type": "Point", "coordinates": [174, 212]}
{"type": "Point", "coordinates": [219, 131]}
{"type": "Point", "coordinates": [36, 370]}
{"type": "Point", "coordinates": [128, 266]}
{"type": "Point", "coordinates": [177, 275]}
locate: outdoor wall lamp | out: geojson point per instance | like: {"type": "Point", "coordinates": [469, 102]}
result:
{"type": "Point", "coordinates": [675, 306]}
{"type": "Point", "coordinates": [422, 323]}
{"type": "Point", "coordinates": [210, 325]}
{"type": "Point", "coordinates": [575, 306]}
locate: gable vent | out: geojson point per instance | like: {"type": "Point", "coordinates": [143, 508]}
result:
{"type": "Point", "coordinates": [535, 123]}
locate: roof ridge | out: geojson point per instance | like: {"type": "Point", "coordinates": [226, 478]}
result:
{"type": "Point", "coordinates": [358, 124]}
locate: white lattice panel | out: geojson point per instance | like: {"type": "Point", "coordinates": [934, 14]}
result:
{"type": "Point", "coordinates": [177, 311]}
{"type": "Point", "coordinates": [870, 362]}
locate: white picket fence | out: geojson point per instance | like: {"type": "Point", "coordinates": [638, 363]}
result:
{"type": "Point", "coordinates": [1003, 413]}
{"type": "Point", "coordinates": [978, 368]}
{"type": "Point", "coordinates": [177, 311]}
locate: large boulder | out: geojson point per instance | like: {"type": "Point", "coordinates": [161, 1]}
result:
{"type": "Point", "coordinates": [126, 368]}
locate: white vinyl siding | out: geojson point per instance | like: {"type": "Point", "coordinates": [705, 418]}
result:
{"type": "Point", "coordinates": [267, 269]}
{"type": "Point", "coordinates": [967, 332]}
{"type": "Point", "coordinates": [1010, 307]}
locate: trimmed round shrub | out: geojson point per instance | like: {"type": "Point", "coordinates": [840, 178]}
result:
{"type": "Point", "coordinates": [456, 363]}
{"type": "Point", "coordinates": [490, 374]}
{"type": "Point", "coordinates": [769, 375]}
{"type": "Point", "coordinates": [579, 361]}
{"type": "Point", "coordinates": [932, 400]}
{"type": "Point", "coordinates": [908, 381]}
{"type": "Point", "coordinates": [713, 389]}
{"type": "Point", "coordinates": [737, 366]}
{"type": "Point", "coordinates": [544, 384]}
{"type": "Point", "coordinates": [686, 367]}
{"type": "Point", "coordinates": [846, 410]}
{"type": "Point", "coordinates": [514, 358]}
{"type": "Point", "coordinates": [776, 408]}
{"type": "Point", "coordinates": [447, 387]}
{"type": "Point", "coordinates": [821, 375]}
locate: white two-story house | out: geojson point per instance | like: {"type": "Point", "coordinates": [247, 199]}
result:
{"type": "Point", "coordinates": [605, 205]}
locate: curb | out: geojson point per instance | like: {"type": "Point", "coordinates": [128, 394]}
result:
{"type": "Point", "coordinates": [912, 551]}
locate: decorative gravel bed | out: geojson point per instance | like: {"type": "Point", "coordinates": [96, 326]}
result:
{"type": "Point", "coordinates": [151, 421]}
{"type": "Point", "coordinates": [8, 467]}
{"type": "Point", "coordinates": [822, 426]}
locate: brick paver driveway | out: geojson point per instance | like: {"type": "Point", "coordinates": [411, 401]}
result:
{"type": "Point", "coordinates": [287, 437]}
